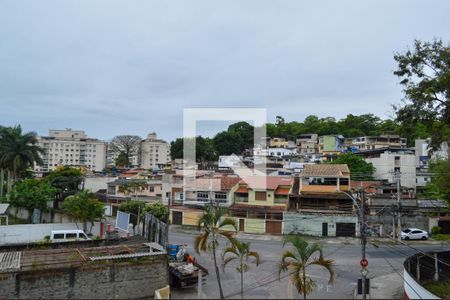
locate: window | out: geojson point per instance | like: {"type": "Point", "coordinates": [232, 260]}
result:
{"type": "Point", "coordinates": [261, 196]}
{"type": "Point", "coordinates": [71, 235]}
{"type": "Point", "coordinates": [58, 236]}
{"type": "Point", "coordinates": [151, 189]}
{"type": "Point", "coordinates": [202, 196]}
{"type": "Point", "coordinates": [220, 197]}
{"type": "Point", "coordinates": [241, 197]}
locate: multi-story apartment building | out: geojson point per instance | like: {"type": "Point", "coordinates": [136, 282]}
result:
{"type": "Point", "coordinates": [388, 162]}
{"type": "Point", "coordinates": [71, 148]}
{"type": "Point", "coordinates": [154, 152]}
{"type": "Point", "coordinates": [331, 144]}
{"type": "Point", "coordinates": [364, 143]}
{"type": "Point", "coordinates": [307, 144]}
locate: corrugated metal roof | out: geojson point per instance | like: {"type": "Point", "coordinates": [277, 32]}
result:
{"type": "Point", "coordinates": [10, 261]}
{"type": "Point", "coordinates": [3, 208]}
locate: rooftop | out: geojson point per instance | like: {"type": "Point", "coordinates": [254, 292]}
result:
{"type": "Point", "coordinates": [333, 170]}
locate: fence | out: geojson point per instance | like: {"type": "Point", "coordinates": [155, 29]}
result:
{"type": "Point", "coordinates": [421, 269]}
{"type": "Point", "coordinates": [155, 230]}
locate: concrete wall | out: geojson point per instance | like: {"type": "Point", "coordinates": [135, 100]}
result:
{"type": "Point", "coordinates": [309, 224]}
{"type": "Point", "coordinates": [29, 233]}
{"type": "Point", "coordinates": [385, 222]}
{"type": "Point", "coordinates": [385, 166]}
{"type": "Point", "coordinates": [94, 184]}
{"type": "Point", "coordinates": [92, 281]}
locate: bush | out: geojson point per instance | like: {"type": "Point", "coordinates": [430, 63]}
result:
{"type": "Point", "coordinates": [436, 230]}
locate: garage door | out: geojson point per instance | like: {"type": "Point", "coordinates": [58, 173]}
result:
{"type": "Point", "coordinates": [177, 217]}
{"type": "Point", "coordinates": [345, 229]}
{"type": "Point", "coordinates": [273, 227]}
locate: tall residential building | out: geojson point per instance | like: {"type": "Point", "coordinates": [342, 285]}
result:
{"type": "Point", "coordinates": [154, 152]}
{"type": "Point", "coordinates": [71, 148]}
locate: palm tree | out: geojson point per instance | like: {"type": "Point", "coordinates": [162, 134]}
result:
{"type": "Point", "coordinates": [18, 152]}
{"type": "Point", "coordinates": [299, 259]}
{"type": "Point", "coordinates": [212, 224]}
{"type": "Point", "coordinates": [241, 251]}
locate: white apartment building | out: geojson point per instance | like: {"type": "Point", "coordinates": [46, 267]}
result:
{"type": "Point", "coordinates": [154, 152]}
{"type": "Point", "coordinates": [387, 163]}
{"type": "Point", "coordinates": [71, 148]}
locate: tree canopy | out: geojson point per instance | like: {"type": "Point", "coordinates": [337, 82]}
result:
{"type": "Point", "coordinates": [127, 145]}
{"type": "Point", "coordinates": [84, 207]}
{"type": "Point", "coordinates": [424, 73]}
{"type": "Point", "coordinates": [66, 179]}
{"type": "Point", "coordinates": [159, 210]}
{"type": "Point", "coordinates": [31, 194]}
{"type": "Point", "coordinates": [359, 168]}
{"type": "Point", "coordinates": [439, 186]}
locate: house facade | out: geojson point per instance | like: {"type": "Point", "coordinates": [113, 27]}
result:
{"type": "Point", "coordinates": [259, 203]}
{"type": "Point", "coordinates": [322, 206]}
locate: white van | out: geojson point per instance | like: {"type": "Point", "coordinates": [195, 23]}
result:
{"type": "Point", "coordinates": [59, 236]}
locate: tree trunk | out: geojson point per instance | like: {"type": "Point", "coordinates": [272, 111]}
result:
{"type": "Point", "coordinates": [216, 267]}
{"type": "Point", "coordinates": [304, 283]}
{"type": "Point", "coordinates": [242, 283]}
{"type": "Point", "coordinates": [9, 183]}
{"type": "Point", "coordinates": [85, 226]}
{"type": "Point", "coordinates": [2, 181]}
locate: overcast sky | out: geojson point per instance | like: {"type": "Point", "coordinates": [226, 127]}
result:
{"type": "Point", "coordinates": [130, 67]}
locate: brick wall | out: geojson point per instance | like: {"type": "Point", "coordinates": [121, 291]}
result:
{"type": "Point", "coordinates": [97, 280]}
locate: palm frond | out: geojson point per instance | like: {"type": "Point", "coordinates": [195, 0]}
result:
{"type": "Point", "coordinates": [327, 264]}
{"type": "Point", "coordinates": [255, 255]}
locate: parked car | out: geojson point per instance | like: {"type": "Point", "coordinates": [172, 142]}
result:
{"type": "Point", "coordinates": [58, 236]}
{"type": "Point", "coordinates": [414, 234]}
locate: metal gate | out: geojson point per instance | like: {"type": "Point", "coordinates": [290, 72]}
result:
{"type": "Point", "coordinates": [273, 227]}
{"type": "Point", "coordinates": [345, 229]}
{"type": "Point", "coordinates": [177, 217]}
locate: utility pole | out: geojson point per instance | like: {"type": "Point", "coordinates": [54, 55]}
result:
{"type": "Point", "coordinates": [399, 218]}
{"type": "Point", "coordinates": [363, 232]}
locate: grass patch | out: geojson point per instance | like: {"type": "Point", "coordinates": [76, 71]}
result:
{"type": "Point", "coordinates": [440, 288]}
{"type": "Point", "coordinates": [441, 237]}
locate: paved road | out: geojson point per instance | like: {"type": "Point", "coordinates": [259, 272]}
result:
{"type": "Point", "coordinates": [385, 270]}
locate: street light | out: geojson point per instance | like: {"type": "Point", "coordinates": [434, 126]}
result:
{"type": "Point", "coordinates": [362, 230]}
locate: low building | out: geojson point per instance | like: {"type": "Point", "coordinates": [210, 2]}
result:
{"type": "Point", "coordinates": [278, 142]}
{"type": "Point", "coordinates": [322, 205]}
{"type": "Point", "coordinates": [281, 152]}
{"type": "Point", "coordinates": [364, 143]}
{"type": "Point", "coordinates": [132, 271]}
{"type": "Point", "coordinates": [259, 203]}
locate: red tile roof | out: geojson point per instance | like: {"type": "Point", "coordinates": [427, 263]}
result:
{"type": "Point", "coordinates": [267, 182]}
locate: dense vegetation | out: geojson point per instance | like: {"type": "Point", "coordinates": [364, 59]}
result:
{"type": "Point", "coordinates": [239, 136]}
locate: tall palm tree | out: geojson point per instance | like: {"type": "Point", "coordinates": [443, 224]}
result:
{"type": "Point", "coordinates": [240, 251]}
{"type": "Point", "coordinates": [297, 260]}
{"type": "Point", "coordinates": [18, 152]}
{"type": "Point", "coordinates": [212, 224]}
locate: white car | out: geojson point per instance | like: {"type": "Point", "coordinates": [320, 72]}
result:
{"type": "Point", "coordinates": [414, 234]}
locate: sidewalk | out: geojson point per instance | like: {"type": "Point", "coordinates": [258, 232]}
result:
{"type": "Point", "coordinates": [327, 240]}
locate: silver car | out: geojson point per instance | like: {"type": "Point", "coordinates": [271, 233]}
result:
{"type": "Point", "coordinates": [414, 234]}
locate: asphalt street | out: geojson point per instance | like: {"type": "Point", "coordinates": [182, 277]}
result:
{"type": "Point", "coordinates": [385, 270]}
